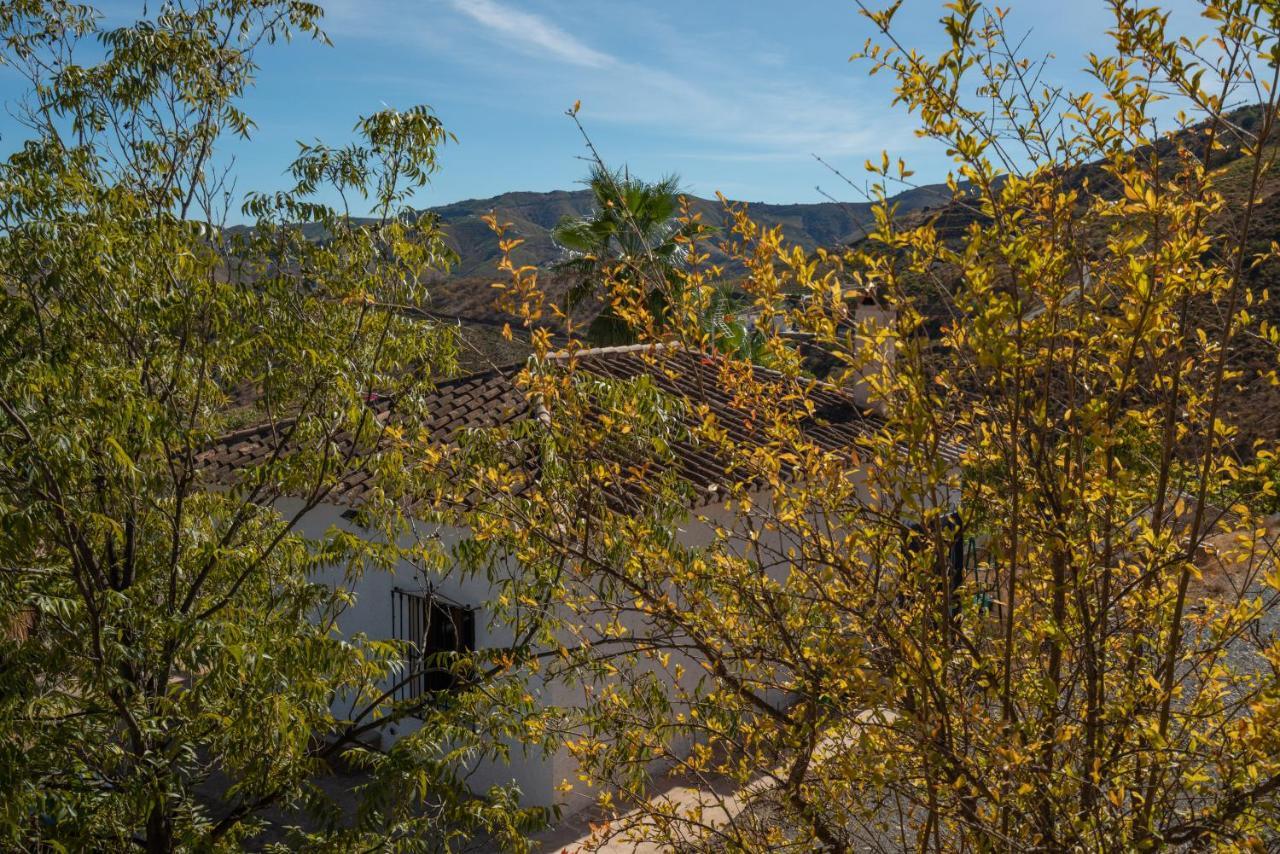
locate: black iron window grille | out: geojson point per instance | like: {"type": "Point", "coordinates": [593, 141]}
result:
{"type": "Point", "coordinates": [436, 634]}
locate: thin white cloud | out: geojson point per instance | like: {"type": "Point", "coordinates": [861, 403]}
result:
{"type": "Point", "coordinates": [693, 89]}
{"type": "Point", "coordinates": [767, 117]}
{"type": "Point", "coordinates": [531, 33]}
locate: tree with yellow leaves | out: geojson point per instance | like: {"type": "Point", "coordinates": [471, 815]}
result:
{"type": "Point", "coordinates": [827, 662]}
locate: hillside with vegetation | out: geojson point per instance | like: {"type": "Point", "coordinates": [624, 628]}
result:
{"type": "Point", "coordinates": [534, 215]}
{"type": "Point", "coordinates": [1251, 398]}
{"type": "Point", "coordinates": [464, 292]}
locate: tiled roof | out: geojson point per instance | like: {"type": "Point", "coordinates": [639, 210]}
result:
{"type": "Point", "coordinates": [492, 398]}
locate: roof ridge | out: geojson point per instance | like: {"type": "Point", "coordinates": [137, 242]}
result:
{"type": "Point", "coordinates": [616, 348]}
{"type": "Point", "coordinates": [250, 431]}
{"type": "Point", "coordinates": [495, 371]}
{"type": "Point", "coordinates": [560, 355]}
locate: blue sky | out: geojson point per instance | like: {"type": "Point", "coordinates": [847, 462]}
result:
{"type": "Point", "coordinates": [732, 96]}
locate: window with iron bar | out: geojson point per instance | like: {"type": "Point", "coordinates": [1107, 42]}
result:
{"type": "Point", "coordinates": [436, 633]}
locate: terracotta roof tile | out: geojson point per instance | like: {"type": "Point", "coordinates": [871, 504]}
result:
{"type": "Point", "coordinates": [492, 398]}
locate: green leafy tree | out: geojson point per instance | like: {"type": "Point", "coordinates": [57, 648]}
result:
{"type": "Point", "coordinates": [168, 665]}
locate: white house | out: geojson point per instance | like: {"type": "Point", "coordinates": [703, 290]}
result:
{"type": "Point", "coordinates": [440, 613]}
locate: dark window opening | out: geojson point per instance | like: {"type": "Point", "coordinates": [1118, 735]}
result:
{"type": "Point", "coordinates": [436, 633]}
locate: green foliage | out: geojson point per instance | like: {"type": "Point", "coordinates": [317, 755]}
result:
{"type": "Point", "coordinates": [636, 252]}
{"type": "Point", "coordinates": [633, 237]}
{"type": "Point", "coordinates": [169, 665]}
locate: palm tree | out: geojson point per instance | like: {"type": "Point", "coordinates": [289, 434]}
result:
{"type": "Point", "coordinates": [721, 317]}
{"type": "Point", "coordinates": [633, 235]}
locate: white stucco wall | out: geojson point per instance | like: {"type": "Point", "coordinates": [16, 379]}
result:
{"type": "Point", "coordinates": [371, 615]}
{"type": "Point", "coordinates": [536, 775]}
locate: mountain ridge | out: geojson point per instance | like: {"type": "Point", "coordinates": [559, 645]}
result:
{"type": "Point", "coordinates": [533, 214]}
